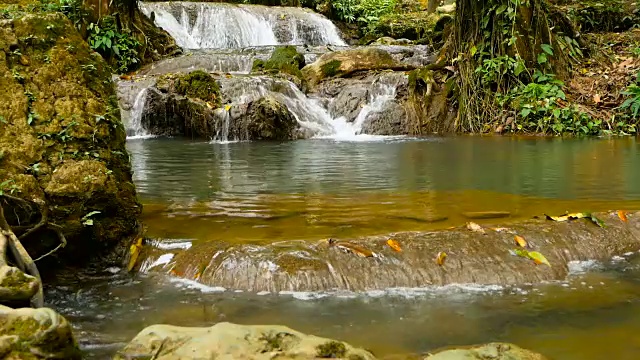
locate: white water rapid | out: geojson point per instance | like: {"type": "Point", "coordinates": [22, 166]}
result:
{"type": "Point", "coordinates": [196, 25]}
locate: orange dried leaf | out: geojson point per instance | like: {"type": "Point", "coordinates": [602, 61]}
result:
{"type": "Point", "coordinates": [441, 257]}
{"type": "Point", "coordinates": [622, 215]}
{"type": "Point", "coordinates": [596, 98]}
{"type": "Point", "coordinates": [520, 241]}
{"type": "Point", "coordinates": [394, 245]}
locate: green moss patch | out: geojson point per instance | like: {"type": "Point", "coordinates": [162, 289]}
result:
{"type": "Point", "coordinates": [331, 350]}
{"type": "Point", "coordinates": [332, 68]}
{"type": "Point", "coordinates": [198, 84]}
{"type": "Point", "coordinates": [284, 59]}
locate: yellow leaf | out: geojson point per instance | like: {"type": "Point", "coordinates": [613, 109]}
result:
{"type": "Point", "coordinates": [622, 215]}
{"type": "Point", "coordinates": [197, 276]}
{"type": "Point", "coordinates": [538, 258]}
{"type": "Point", "coordinates": [520, 241]}
{"type": "Point", "coordinates": [573, 216]}
{"type": "Point", "coordinates": [134, 252]}
{"type": "Point", "coordinates": [394, 245]}
{"type": "Point", "coordinates": [209, 105]}
{"type": "Point", "coordinates": [227, 107]}
{"type": "Point", "coordinates": [557, 218]}
{"type": "Point", "coordinates": [441, 257]}
{"type": "Point", "coordinates": [474, 227]}
{"type": "Point", "coordinates": [473, 50]}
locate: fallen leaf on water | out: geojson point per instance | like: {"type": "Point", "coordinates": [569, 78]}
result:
{"type": "Point", "coordinates": [441, 257]}
{"type": "Point", "coordinates": [228, 76]}
{"type": "Point", "coordinates": [538, 258]}
{"type": "Point", "coordinates": [573, 216]}
{"type": "Point", "coordinates": [474, 227]}
{"type": "Point", "coordinates": [596, 221]}
{"type": "Point", "coordinates": [520, 241]}
{"type": "Point", "coordinates": [227, 107]}
{"type": "Point", "coordinates": [134, 252]}
{"type": "Point", "coordinates": [352, 248]}
{"type": "Point", "coordinates": [557, 218]}
{"type": "Point", "coordinates": [394, 245]}
{"type": "Point", "coordinates": [622, 215]}
{"type": "Point", "coordinates": [197, 276]}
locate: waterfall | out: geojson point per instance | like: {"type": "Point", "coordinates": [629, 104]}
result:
{"type": "Point", "coordinates": [135, 128]}
{"type": "Point", "coordinates": [197, 25]}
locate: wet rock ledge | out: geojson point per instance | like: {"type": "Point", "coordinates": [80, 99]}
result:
{"type": "Point", "coordinates": [473, 257]}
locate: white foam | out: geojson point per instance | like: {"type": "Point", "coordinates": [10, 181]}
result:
{"type": "Point", "coordinates": [580, 267]}
{"type": "Point", "coordinates": [173, 245]}
{"type": "Point", "coordinates": [162, 260]}
{"type": "Point", "coordinates": [191, 284]}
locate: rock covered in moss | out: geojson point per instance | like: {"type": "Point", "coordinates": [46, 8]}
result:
{"type": "Point", "coordinates": [227, 340]}
{"type": "Point", "coordinates": [198, 84]}
{"type": "Point", "coordinates": [266, 119]}
{"type": "Point", "coordinates": [496, 351]}
{"type": "Point", "coordinates": [283, 59]}
{"type": "Point", "coordinates": [16, 286]}
{"type": "Point", "coordinates": [36, 334]}
{"type": "Point", "coordinates": [58, 108]}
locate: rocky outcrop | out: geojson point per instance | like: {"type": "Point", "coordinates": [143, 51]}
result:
{"type": "Point", "coordinates": [231, 341]}
{"type": "Point", "coordinates": [494, 351]}
{"type": "Point", "coordinates": [266, 119]}
{"type": "Point", "coordinates": [170, 111]}
{"type": "Point", "coordinates": [36, 334]}
{"type": "Point", "coordinates": [62, 145]}
{"type": "Point", "coordinates": [367, 263]}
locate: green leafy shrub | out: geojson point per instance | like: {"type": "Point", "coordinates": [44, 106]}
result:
{"type": "Point", "coordinates": [106, 39]}
{"type": "Point", "coordinates": [284, 59]}
{"type": "Point", "coordinates": [365, 13]}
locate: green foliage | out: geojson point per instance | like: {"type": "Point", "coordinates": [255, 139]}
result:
{"type": "Point", "coordinates": [366, 13]}
{"type": "Point", "coordinates": [8, 186]}
{"type": "Point", "coordinates": [631, 107]}
{"type": "Point", "coordinates": [539, 107]}
{"type": "Point", "coordinates": [106, 39]}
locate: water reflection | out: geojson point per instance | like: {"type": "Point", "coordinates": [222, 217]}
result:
{"type": "Point", "coordinates": [172, 170]}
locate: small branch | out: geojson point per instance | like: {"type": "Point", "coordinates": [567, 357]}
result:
{"type": "Point", "coordinates": [63, 243]}
{"type": "Point", "coordinates": [44, 217]}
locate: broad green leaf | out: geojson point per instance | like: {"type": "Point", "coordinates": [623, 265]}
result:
{"type": "Point", "coordinates": [542, 58]}
{"type": "Point", "coordinates": [597, 221]}
{"type": "Point", "coordinates": [547, 48]}
{"type": "Point", "coordinates": [473, 50]}
{"type": "Point", "coordinates": [501, 9]}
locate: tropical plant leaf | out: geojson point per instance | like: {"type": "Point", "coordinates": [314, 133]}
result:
{"type": "Point", "coordinates": [394, 245]}
{"type": "Point", "coordinates": [441, 258]}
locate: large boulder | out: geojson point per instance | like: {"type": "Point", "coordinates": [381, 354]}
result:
{"type": "Point", "coordinates": [347, 62]}
{"type": "Point", "coordinates": [231, 341]}
{"type": "Point", "coordinates": [265, 119]}
{"type": "Point", "coordinates": [36, 334]}
{"type": "Point", "coordinates": [62, 144]}
{"type": "Point", "coordinates": [494, 351]}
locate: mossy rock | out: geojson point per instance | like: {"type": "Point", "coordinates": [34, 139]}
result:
{"type": "Point", "coordinates": [347, 62]}
{"type": "Point", "coordinates": [284, 59]}
{"type": "Point", "coordinates": [496, 351]}
{"type": "Point", "coordinates": [36, 334]}
{"type": "Point", "coordinates": [267, 119]}
{"type": "Point", "coordinates": [59, 107]}
{"type": "Point", "coordinates": [16, 286]}
{"type": "Point", "coordinates": [200, 85]}
{"type": "Point", "coordinates": [412, 26]}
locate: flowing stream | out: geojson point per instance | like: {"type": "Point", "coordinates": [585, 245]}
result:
{"type": "Point", "coordinates": [257, 193]}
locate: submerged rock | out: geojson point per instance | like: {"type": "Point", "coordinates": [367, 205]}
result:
{"type": "Point", "coordinates": [494, 351]}
{"type": "Point", "coordinates": [62, 144]}
{"type": "Point", "coordinates": [484, 258]}
{"type": "Point", "coordinates": [231, 341]}
{"type": "Point", "coordinates": [36, 334]}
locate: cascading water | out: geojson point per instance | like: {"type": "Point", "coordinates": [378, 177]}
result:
{"type": "Point", "coordinates": [135, 128]}
{"type": "Point", "coordinates": [216, 25]}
